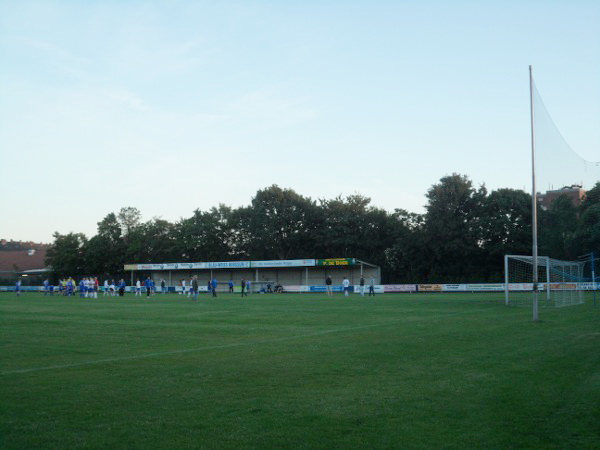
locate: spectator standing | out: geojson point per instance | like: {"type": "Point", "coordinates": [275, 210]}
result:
{"type": "Point", "coordinates": [362, 286]}
{"type": "Point", "coordinates": [372, 286]}
{"type": "Point", "coordinates": [328, 283]}
{"type": "Point", "coordinates": [195, 288]}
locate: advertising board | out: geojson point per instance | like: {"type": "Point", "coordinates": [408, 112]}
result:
{"type": "Point", "coordinates": [283, 263]}
{"type": "Point", "coordinates": [378, 289]}
{"type": "Point", "coordinates": [295, 288]}
{"type": "Point", "coordinates": [430, 288]}
{"type": "Point", "coordinates": [336, 262]}
{"type": "Point", "coordinates": [400, 288]}
{"type": "Point", "coordinates": [488, 287]}
{"type": "Point", "coordinates": [323, 288]}
{"type": "Point", "coordinates": [454, 288]}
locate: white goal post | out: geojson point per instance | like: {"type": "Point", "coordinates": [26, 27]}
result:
{"type": "Point", "coordinates": [561, 281]}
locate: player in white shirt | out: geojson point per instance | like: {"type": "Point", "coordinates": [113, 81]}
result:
{"type": "Point", "coordinates": [138, 288]}
{"type": "Point", "coordinates": [86, 286]}
{"type": "Point", "coordinates": [346, 285]}
{"type": "Point", "coordinates": [105, 288]}
{"type": "Point", "coordinates": [182, 287]}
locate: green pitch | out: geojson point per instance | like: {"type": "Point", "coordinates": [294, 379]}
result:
{"type": "Point", "coordinates": [289, 371]}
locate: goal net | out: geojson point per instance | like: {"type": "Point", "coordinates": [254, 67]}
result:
{"type": "Point", "coordinates": [566, 191]}
{"type": "Point", "coordinates": [561, 283]}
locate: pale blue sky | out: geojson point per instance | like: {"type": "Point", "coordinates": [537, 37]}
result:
{"type": "Point", "coordinates": [176, 105]}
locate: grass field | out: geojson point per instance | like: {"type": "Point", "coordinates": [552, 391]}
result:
{"type": "Point", "coordinates": [291, 371]}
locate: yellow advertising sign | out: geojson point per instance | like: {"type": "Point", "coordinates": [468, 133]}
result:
{"type": "Point", "coordinates": [430, 288]}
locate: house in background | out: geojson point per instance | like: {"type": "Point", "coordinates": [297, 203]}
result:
{"type": "Point", "coordinates": [28, 262]}
{"type": "Point", "coordinates": [575, 193]}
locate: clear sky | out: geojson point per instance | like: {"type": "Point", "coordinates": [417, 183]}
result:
{"type": "Point", "coordinates": [169, 106]}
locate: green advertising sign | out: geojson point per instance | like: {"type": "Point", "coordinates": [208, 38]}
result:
{"type": "Point", "coordinates": [336, 262]}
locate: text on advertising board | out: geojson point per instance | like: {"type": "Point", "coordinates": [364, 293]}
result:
{"type": "Point", "coordinates": [336, 262]}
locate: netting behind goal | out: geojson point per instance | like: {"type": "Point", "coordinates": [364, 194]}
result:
{"type": "Point", "coordinates": [561, 283]}
{"type": "Point", "coordinates": [558, 166]}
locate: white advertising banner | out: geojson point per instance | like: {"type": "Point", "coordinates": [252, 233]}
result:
{"type": "Point", "coordinates": [296, 288]}
{"type": "Point", "coordinates": [454, 288]}
{"type": "Point", "coordinates": [191, 266]}
{"type": "Point", "coordinates": [400, 288]}
{"type": "Point", "coordinates": [486, 287]}
{"type": "Point", "coordinates": [226, 265]}
{"type": "Point", "coordinates": [589, 286]}
{"type": "Point", "coordinates": [378, 289]}
{"type": "Point", "coordinates": [283, 263]}
{"type": "Point", "coordinates": [521, 286]}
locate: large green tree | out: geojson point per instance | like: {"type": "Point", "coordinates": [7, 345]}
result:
{"type": "Point", "coordinates": [152, 242]}
{"type": "Point", "coordinates": [206, 236]}
{"type": "Point", "coordinates": [105, 252]}
{"type": "Point", "coordinates": [282, 225]}
{"type": "Point", "coordinates": [587, 235]}
{"type": "Point", "coordinates": [351, 227]}
{"type": "Point", "coordinates": [452, 230]}
{"type": "Point", "coordinates": [505, 224]}
{"type": "Point", "coordinates": [557, 228]}
{"type": "Point", "coordinates": [462, 236]}
{"type": "Point", "coordinates": [66, 255]}
{"type": "Point", "coordinates": [405, 256]}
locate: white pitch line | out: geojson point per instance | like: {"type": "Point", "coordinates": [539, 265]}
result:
{"type": "Point", "coordinates": [215, 347]}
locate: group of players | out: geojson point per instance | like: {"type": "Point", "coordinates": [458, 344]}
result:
{"type": "Point", "coordinates": [89, 287]}
{"type": "Point", "coordinates": [149, 286]}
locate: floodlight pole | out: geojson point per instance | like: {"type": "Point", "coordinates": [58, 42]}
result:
{"type": "Point", "coordinates": [533, 203]}
{"type": "Point", "coordinates": [594, 278]}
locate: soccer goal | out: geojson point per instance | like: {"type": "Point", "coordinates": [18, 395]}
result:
{"type": "Point", "coordinates": [561, 283]}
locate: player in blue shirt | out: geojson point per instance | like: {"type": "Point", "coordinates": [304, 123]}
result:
{"type": "Point", "coordinates": [231, 286]}
{"type": "Point", "coordinates": [148, 285]}
{"type": "Point", "coordinates": [70, 287]}
{"type": "Point", "coordinates": [213, 285]}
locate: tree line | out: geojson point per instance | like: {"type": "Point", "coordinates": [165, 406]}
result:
{"type": "Point", "coordinates": [461, 237]}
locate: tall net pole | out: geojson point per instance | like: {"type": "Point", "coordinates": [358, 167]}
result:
{"type": "Point", "coordinates": [533, 203]}
{"type": "Point", "coordinates": [593, 277]}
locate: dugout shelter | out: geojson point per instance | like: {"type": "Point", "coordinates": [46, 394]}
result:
{"type": "Point", "coordinates": [291, 274]}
